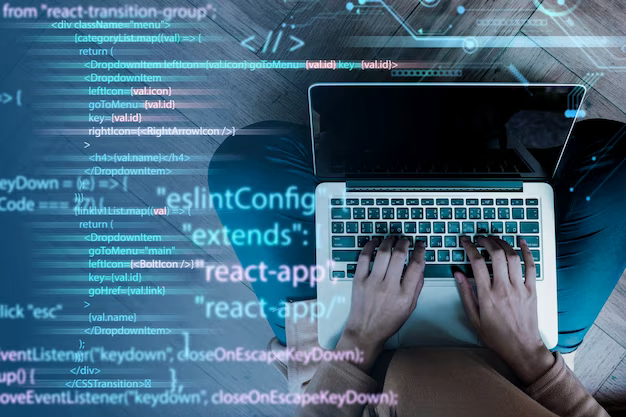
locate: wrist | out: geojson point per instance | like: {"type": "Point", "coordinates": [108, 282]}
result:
{"type": "Point", "coordinates": [531, 365]}
{"type": "Point", "coordinates": [368, 349]}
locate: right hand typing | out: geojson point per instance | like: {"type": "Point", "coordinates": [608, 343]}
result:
{"type": "Point", "coordinates": [504, 312]}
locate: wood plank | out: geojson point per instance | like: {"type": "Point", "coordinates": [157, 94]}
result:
{"type": "Point", "coordinates": [613, 390]}
{"type": "Point", "coordinates": [445, 20]}
{"type": "Point", "coordinates": [242, 19]}
{"type": "Point", "coordinates": [596, 358]}
{"type": "Point", "coordinates": [539, 66]}
{"type": "Point", "coordinates": [600, 19]}
{"type": "Point", "coordinates": [612, 319]}
{"type": "Point", "coordinates": [326, 27]}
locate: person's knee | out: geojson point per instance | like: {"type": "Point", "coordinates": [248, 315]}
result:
{"type": "Point", "coordinates": [261, 137]}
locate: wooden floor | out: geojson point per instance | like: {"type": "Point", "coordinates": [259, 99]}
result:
{"type": "Point", "coordinates": [245, 97]}
{"type": "Point", "coordinates": [600, 363]}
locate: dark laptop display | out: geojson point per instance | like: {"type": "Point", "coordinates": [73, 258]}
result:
{"type": "Point", "coordinates": [412, 131]}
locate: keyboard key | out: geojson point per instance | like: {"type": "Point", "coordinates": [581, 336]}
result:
{"type": "Point", "coordinates": [431, 213]}
{"type": "Point", "coordinates": [511, 227]}
{"type": "Point", "coordinates": [509, 239]}
{"type": "Point", "coordinates": [395, 227]}
{"type": "Point", "coordinates": [497, 227]}
{"type": "Point", "coordinates": [373, 213]}
{"type": "Point", "coordinates": [337, 227]}
{"type": "Point", "coordinates": [502, 201]}
{"type": "Point", "coordinates": [471, 201]}
{"type": "Point", "coordinates": [445, 212]}
{"type": "Point", "coordinates": [532, 241]}
{"type": "Point", "coordinates": [339, 274]}
{"type": "Point", "coordinates": [352, 202]}
{"type": "Point", "coordinates": [504, 213]}
{"type": "Point", "coordinates": [417, 213]}
{"type": "Point", "coordinates": [397, 201]}
{"type": "Point", "coordinates": [358, 213]}
{"type": "Point", "coordinates": [532, 202]}
{"type": "Point", "coordinates": [457, 201]}
{"type": "Point", "coordinates": [352, 227]}
{"type": "Point", "coordinates": [343, 241]}
{"type": "Point", "coordinates": [458, 255]}
{"type": "Point", "coordinates": [518, 213]}
{"type": "Point", "coordinates": [367, 227]}
{"type": "Point", "coordinates": [537, 270]}
{"type": "Point", "coordinates": [345, 255]}
{"type": "Point", "coordinates": [351, 270]}
{"type": "Point", "coordinates": [410, 239]}
{"type": "Point", "coordinates": [362, 240]}
{"type": "Point", "coordinates": [443, 202]}
{"type": "Point", "coordinates": [336, 201]}
{"type": "Point", "coordinates": [529, 227]}
{"type": "Point", "coordinates": [445, 270]}
{"type": "Point", "coordinates": [367, 201]}
{"type": "Point", "coordinates": [517, 202]}
{"type": "Point", "coordinates": [474, 213]}
{"type": "Point", "coordinates": [382, 227]}
{"type": "Point", "coordinates": [486, 201]}
{"type": "Point", "coordinates": [468, 227]}
{"type": "Point", "coordinates": [423, 239]}
{"type": "Point", "coordinates": [454, 227]}
{"type": "Point", "coordinates": [402, 213]}
{"type": "Point", "coordinates": [429, 256]}
{"type": "Point", "coordinates": [412, 201]}
{"type": "Point", "coordinates": [534, 252]}
{"type": "Point", "coordinates": [340, 213]}
{"type": "Point", "coordinates": [424, 227]}
{"type": "Point", "coordinates": [439, 227]}
{"type": "Point", "coordinates": [460, 213]}
{"type": "Point", "coordinates": [443, 255]}
{"type": "Point", "coordinates": [410, 227]}
{"type": "Point", "coordinates": [489, 213]}
{"type": "Point", "coordinates": [482, 227]}
{"type": "Point", "coordinates": [382, 201]}
{"type": "Point", "coordinates": [436, 242]}
{"type": "Point", "coordinates": [449, 241]}
{"type": "Point", "coordinates": [532, 213]}
{"type": "Point", "coordinates": [388, 213]}
{"type": "Point", "coordinates": [428, 202]}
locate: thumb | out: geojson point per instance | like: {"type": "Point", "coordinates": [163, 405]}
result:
{"type": "Point", "coordinates": [468, 297]}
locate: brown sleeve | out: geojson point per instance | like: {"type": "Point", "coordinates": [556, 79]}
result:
{"type": "Point", "coordinates": [562, 393]}
{"type": "Point", "coordinates": [336, 378]}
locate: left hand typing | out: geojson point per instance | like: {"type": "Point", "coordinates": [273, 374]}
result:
{"type": "Point", "coordinates": [382, 300]}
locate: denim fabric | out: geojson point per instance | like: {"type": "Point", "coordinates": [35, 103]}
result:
{"type": "Point", "coordinates": [590, 188]}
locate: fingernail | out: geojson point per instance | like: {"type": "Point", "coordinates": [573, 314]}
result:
{"type": "Point", "coordinates": [465, 239]}
{"type": "Point", "coordinates": [419, 243]}
{"type": "Point", "coordinates": [523, 241]}
{"type": "Point", "coordinates": [458, 277]}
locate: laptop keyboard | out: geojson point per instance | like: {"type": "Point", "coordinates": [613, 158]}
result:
{"type": "Point", "coordinates": [438, 222]}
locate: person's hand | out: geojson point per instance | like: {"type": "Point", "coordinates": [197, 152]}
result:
{"type": "Point", "coordinates": [505, 311]}
{"type": "Point", "coordinates": [382, 300]}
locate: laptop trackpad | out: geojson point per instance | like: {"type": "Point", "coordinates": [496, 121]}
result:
{"type": "Point", "coordinates": [439, 319]}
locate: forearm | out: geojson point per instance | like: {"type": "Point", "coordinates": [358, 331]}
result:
{"type": "Point", "coordinates": [331, 382]}
{"type": "Point", "coordinates": [562, 393]}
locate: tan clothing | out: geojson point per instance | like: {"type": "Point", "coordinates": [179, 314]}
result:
{"type": "Point", "coordinates": [459, 382]}
{"type": "Point", "coordinates": [452, 382]}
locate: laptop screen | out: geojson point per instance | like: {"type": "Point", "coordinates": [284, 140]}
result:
{"type": "Point", "coordinates": [412, 131]}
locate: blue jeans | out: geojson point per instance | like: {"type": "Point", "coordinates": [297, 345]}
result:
{"type": "Point", "coordinates": [590, 215]}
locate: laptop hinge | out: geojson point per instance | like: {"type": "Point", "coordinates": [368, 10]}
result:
{"type": "Point", "coordinates": [433, 185]}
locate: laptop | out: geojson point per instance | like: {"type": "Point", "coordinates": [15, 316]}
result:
{"type": "Point", "coordinates": [434, 162]}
